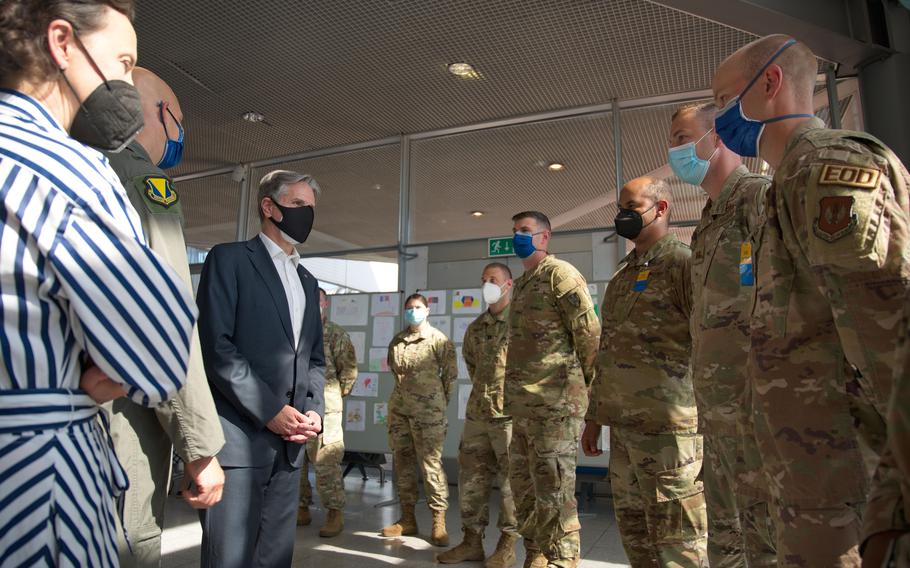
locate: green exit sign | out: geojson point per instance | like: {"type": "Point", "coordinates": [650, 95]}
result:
{"type": "Point", "coordinates": [500, 246]}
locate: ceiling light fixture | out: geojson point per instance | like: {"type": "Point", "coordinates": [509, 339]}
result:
{"type": "Point", "coordinates": [377, 187]}
{"type": "Point", "coordinates": [556, 167]}
{"type": "Point", "coordinates": [476, 213]}
{"type": "Point", "coordinates": [463, 70]}
{"type": "Point", "coordinates": [253, 117]}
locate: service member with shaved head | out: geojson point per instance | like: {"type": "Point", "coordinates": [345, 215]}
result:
{"type": "Point", "coordinates": [643, 389]}
{"type": "Point", "coordinates": [739, 526]}
{"type": "Point", "coordinates": [831, 279]}
{"type": "Point", "coordinates": [188, 423]}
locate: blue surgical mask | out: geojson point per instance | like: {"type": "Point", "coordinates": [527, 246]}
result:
{"type": "Point", "coordinates": [173, 149]}
{"type": "Point", "coordinates": [740, 133]}
{"type": "Point", "coordinates": [415, 316]}
{"type": "Point", "coordinates": [686, 164]}
{"type": "Point", "coordinates": [523, 243]}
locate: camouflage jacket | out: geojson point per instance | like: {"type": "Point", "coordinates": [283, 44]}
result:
{"type": "Point", "coordinates": [553, 339]}
{"type": "Point", "coordinates": [425, 370]}
{"type": "Point", "coordinates": [723, 286]}
{"type": "Point", "coordinates": [831, 276]}
{"type": "Point", "coordinates": [340, 375]}
{"type": "Point", "coordinates": [889, 501]}
{"type": "Point", "coordinates": [643, 378]}
{"type": "Point", "coordinates": [485, 347]}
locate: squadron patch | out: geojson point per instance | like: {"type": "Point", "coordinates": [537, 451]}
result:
{"type": "Point", "coordinates": [159, 190]}
{"type": "Point", "coordinates": [574, 300]}
{"type": "Point", "coordinates": [849, 176]}
{"type": "Point", "coordinates": [835, 217]}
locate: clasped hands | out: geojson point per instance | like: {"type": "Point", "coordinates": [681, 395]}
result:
{"type": "Point", "coordinates": [293, 426]}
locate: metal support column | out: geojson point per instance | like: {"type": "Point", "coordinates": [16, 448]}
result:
{"type": "Point", "coordinates": [243, 205]}
{"type": "Point", "coordinates": [404, 211]}
{"type": "Point", "coordinates": [833, 102]}
{"type": "Point", "coordinates": [617, 156]}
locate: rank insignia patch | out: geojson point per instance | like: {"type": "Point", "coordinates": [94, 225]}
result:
{"type": "Point", "coordinates": [160, 190]}
{"type": "Point", "coordinates": [835, 218]}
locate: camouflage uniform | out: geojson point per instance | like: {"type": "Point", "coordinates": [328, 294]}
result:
{"type": "Point", "coordinates": [327, 450]}
{"type": "Point", "coordinates": [423, 363]}
{"type": "Point", "coordinates": [483, 455]}
{"type": "Point", "coordinates": [831, 277]}
{"type": "Point", "coordinates": [889, 502]}
{"type": "Point", "coordinates": [644, 392]}
{"type": "Point", "coordinates": [553, 339]}
{"type": "Point", "coordinates": [739, 526]}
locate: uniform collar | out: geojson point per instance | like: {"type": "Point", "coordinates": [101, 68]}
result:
{"type": "Point", "coordinates": [423, 332]}
{"type": "Point", "coordinates": [275, 251]}
{"type": "Point", "coordinates": [813, 123]}
{"type": "Point", "coordinates": [719, 206]}
{"type": "Point", "coordinates": [489, 317]}
{"type": "Point", "coordinates": [24, 107]}
{"type": "Point", "coordinates": [666, 241]}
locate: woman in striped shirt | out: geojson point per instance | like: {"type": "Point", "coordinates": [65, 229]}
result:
{"type": "Point", "coordinates": [87, 311]}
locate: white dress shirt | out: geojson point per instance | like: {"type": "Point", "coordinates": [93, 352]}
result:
{"type": "Point", "coordinates": [286, 265]}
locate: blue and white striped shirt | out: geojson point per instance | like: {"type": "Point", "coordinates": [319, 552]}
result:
{"type": "Point", "coordinates": [76, 280]}
{"type": "Point", "coordinates": [76, 275]}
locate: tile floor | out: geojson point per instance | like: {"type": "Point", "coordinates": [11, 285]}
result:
{"type": "Point", "coordinates": [360, 545]}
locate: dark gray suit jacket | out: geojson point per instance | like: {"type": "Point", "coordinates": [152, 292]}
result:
{"type": "Point", "coordinates": [252, 365]}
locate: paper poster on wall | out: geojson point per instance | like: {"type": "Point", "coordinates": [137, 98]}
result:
{"type": "Point", "coordinates": [467, 301]}
{"type": "Point", "coordinates": [462, 366]}
{"type": "Point", "coordinates": [367, 384]}
{"type": "Point", "coordinates": [379, 360]}
{"type": "Point", "coordinates": [359, 339]}
{"type": "Point", "coordinates": [605, 438]}
{"type": "Point", "coordinates": [436, 300]}
{"type": "Point", "coordinates": [442, 323]}
{"type": "Point", "coordinates": [384, 305]}
{"type": "Point", "coordinates": [355, 416]}
{"type": "Point", "coordinates": [461, 326]}
{"type": "Point", "coordinates": [381, 413]}
{"type": "Point", "coordinates": [464, 393]}
{"type": "Point", "coordinates": [350, 309]}
{"type": "Point", "coordinates": [383, 331]}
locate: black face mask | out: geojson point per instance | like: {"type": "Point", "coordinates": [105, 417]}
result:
{"type": "Point", "coordinates": [296, 222]}
{"type": "Point", "coordinates": [110, 117]}
{"type": "Point", "coordinates": [629, 224]}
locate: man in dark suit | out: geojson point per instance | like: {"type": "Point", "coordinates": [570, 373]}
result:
{"type": "Point", "coordinates": [261, 336]}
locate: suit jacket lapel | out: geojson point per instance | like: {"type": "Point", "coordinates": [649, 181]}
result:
{"type": "Point", "coordinates": [261, 260]}
{"type": "Point", "coordinates": [311, 303]}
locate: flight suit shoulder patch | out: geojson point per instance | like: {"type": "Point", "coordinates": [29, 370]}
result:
{"type": "Point", "coordinates": [159, 189]}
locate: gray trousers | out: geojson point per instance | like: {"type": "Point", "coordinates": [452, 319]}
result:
{"type": "Point", "coordinates": [255, 523]}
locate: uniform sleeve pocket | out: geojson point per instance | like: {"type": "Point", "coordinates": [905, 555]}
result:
{"type": "Point", "coordinates": [845, 205]}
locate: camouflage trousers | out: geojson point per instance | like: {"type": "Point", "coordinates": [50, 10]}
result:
{"type": "Point", "coordinates": [543, 456]}
{"type": "Point", "coordinates": [327, 462]}
{"type": "Point", "coordinates": [740, 532]}
{"type": "Point", "coordinates": [417, 441]}
{"type": "Point", "coordinates": [483, 457]}
{"type": "Point", "coordinates": [658, 498]}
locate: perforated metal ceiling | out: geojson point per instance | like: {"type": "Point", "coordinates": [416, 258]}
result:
{"type": "Point", "coordinates": [331, 73]}
{"type": "Point", "coordinates": [326, 74]}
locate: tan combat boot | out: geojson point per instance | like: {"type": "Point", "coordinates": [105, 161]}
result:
{"type": "Point", "coordinates": [534, 558]}
{"type": "Point", "coordinates": [303, 516]}
{"type": "Point", "coordinates": [504, 555]}
{"type": "Point", "coordinates": [470, 549]}
{"type": "Point", "coordinates": [406, 525]}
{"type": "Point", "coordinates": [334, 524]}
{"type": "Point", "coordinates": [439, 537]}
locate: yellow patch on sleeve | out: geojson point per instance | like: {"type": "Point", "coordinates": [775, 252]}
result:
{"type": "Point", "coordinates": [849, 176]}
